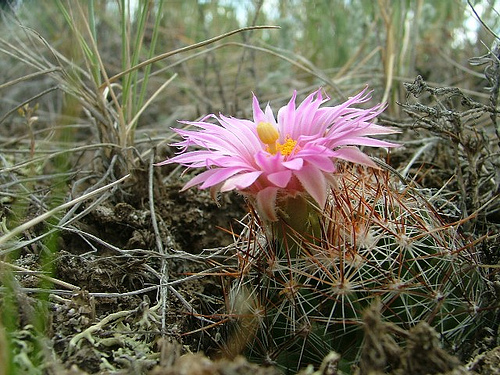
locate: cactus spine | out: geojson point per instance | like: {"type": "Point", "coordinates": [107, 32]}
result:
{"type": "Point", "coordinates": [379, 240]}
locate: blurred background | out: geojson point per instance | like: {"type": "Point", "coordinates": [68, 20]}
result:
{"type": "Point", "coordinates": [338, 44]}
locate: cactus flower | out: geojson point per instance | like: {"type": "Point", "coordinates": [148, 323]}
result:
{"type": "Point", "coordinates": [271, 158]}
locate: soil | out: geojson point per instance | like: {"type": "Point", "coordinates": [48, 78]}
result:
{"type": "Point", "coordinates": [112, 320]}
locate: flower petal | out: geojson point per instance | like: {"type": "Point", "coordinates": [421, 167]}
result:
{"type": "Point", "coordinates": [266, 203]}
{"type": "Point", "coordinates": [219, 175]}
{"type": "Point", "coordinates": [314, 182]}
{"type": "Point", "coordinates": [286, 120]}
{"type": "Point", "coordinates": [196, 180]}
{"type": "Point", "coordinates": [326, 164]}
{"type": "Point", "coordinates": [294, 164]}
{"type": "Point", "coordinates": [306, 113]}
{"type": "Point", "coordinates": [235, 157]}
{"type": "Point", "coordinates": [280, 179]}
{"type": "Point", "coordinates": [354, 155]}
{"type": "Point", "coordinates": [240, 181]}
{"type": "Point", "coordinates": [259, 115]}
{"type": "Point", "coordinates": [363, 141]}
{"type": "Point", "coordinates": [269, 163]}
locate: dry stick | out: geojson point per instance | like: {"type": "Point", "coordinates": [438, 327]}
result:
{"type": "Point", "coordinates": [416, 155]}
{"type": "Point", "coordinates": [68, 217]}
{"type": "Point", "coordinates": [353, 71]}
{"type": "Point", "coordinates": [21, 228]}
{"type": "Point", "coordinates": [405, 46]}
{"type": "Point", "coordinates": [210, 61]}
{"type": "Point", "coordinates": [125, 294]}
{"type": "Point", "coordinates": [54, 154]}
{"type": "Point", "coordinates": [354, 59]}
{"type": "Point", "coordinates": [100, 241]}
{"type": "Point", "coordinates": [417, 11]}
{"type": "Point", "coordinates": [170, 286]}
{"type": "Point", "coordinates": [161, 250]}
{"type": "Point", "coordinates": [50, 89]}
{"type": "Point", "coordinates": [29, 76]}
{"type": "Point", "coordinates": [295, 62]}
{"type": "Point", "coordinates": [130, 125]}
{"type": "Point", "coordinates": [389, 71]}
{"type": "Point", "coordinates": [54, 293]}
{"type": "Point", "coordinates": [459, 66]}
{"type": "Point", "coordinates": [186, 304]}
{"type": "Point", "coordinates": [258, 7]}
{"type": "Point", "coordinates": [122, 132]}
{"type": "Point", "coordinates": [149, 288]}
{"type": "Point", "coordinates": [40, 57]}
{"type": "Point", "coordinates": [22, 55]}
{"type": "Point", "coordinates": [180, 50]}
{"type": "Point", "coordinates": [275, 52]}
{"type": "Point", "coordinates": [480, 20]}
{"type": "Point", "coordinates": [388, 54]}
{"type": "Point", "coordinates": [41, 276]}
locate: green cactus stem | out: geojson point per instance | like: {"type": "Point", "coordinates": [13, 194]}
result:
{"type": "Point", "coordinates": [376, 239]}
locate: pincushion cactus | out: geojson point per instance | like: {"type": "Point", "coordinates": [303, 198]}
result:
{"type": "Point", "coordinates": [330, 240]}
{"type": "Point", "coordinates": [380, 240]}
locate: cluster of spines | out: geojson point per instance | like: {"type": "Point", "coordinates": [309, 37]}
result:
{"type": "Point", "coordinates": [379, 242]}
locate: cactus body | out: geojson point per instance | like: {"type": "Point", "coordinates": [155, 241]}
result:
{"type": "Point", "coordinates": [379, 240]}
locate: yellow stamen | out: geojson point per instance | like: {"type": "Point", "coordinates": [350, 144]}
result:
{"type": "Point", "coordinates": [269, 135]}
{"type": "Point", "coordinates": [287, 147]}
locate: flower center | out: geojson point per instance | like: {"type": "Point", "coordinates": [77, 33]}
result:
{"type": "Point", "coordinates": [287, 147]}
{"type": "Point", "coordinates": [269, 135]}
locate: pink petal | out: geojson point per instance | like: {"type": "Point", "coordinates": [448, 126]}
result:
{"type": "Point", "coordinates": [286, 119]}
{"type": "Point", "coordinates": [199, 179]}
{"type": "Point", "coordinates": [240, 181]}
{"type": "Point", "coordinates": [312, 149]}
{"type": "Point", "coordinates": [363, 141]}
{"type": "Point", "coordinates": [328, 115]}
{"type": "Point", "coordinates": [246, 133]}
{"type": "Point", "coordinates": [269, 163]}
{"type": "Point", "coordinates": [313, 181]}
{"type": "Point", "coordinates": [306, 112]}
{"type": "Point", "coordinates": [199, 158]}
{"type": "Point", "coordinates": [259, 115]}
{"type": "Point", "coordinates": [164, 162]}
{"type": "Point", "coordinates": [353, 154]}
{"type": "Point", "coordinates": [235, 158]}
{"type": "Point", "coordinates": [218, 176]}
{"type": "Point", "coordinates": [377, 129]}
{"type": "Point", "coordinates": [280, 179]}
{"type": "Point", "coordinates": [294, 164]}
{"type": "Point", "coordinates": [270, 115]}
{"type": "Point", "coordinates": [266, 203]}
{"type": "Point", "coordinates": [322, 162]}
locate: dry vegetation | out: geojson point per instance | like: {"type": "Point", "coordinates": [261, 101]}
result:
{"type": "Point", "coordinates": [105, 267]}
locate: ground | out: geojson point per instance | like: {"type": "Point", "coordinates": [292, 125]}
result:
{"type": "Point", "coordinates": [112, 320]}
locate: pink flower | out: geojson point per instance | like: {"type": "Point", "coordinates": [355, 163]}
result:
{"type": "Point", "coordinates": [270, 159]}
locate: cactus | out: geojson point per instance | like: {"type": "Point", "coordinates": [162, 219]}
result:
{"type": "Point", "coordinates": [378, 240]}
